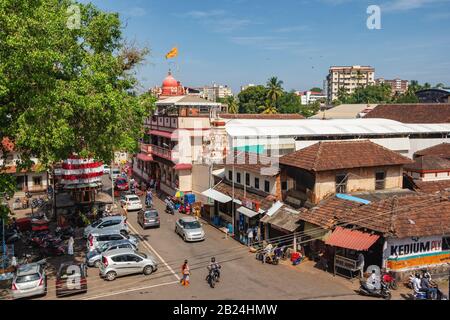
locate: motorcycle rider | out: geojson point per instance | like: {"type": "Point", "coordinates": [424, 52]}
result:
{"type": "Point", "coordinates": [267, 251]}
{"type": "Point", "coordinates": [214, 266]}
{"type": "Point", "coordinates": [373, 282]}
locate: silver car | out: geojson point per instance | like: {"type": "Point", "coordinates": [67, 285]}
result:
{"type": "Point", "coordinates": [96, 240]}
{"type": "Point", "coordinates": [29, 280]}
{"type": "Point", "coordinates": [107, 224]}
{"type": "Point", "coordinates": [190, 229]}
{"type": "Point", "coordinates": [94, 257]}
{"type": "Point", "coordinates": [122, 262]}
{"type": "Point", "coordinates": [148, 218]}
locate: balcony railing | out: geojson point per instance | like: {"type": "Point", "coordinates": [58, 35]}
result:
{"type": "Point", "coordinates": [146, 148]}
{"type": "Point", "coordinates": [161, 152]}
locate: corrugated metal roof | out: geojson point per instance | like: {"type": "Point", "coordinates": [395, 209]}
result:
{"type": "Point", "coordinates": [351, 239]}
{"type": "Point", "coordinates": [314, 127]}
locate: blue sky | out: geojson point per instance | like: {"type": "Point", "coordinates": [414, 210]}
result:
{"type": "Point", "coordinates": [236, 42]}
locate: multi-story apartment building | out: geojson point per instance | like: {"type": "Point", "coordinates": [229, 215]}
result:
{"type": "Point", "coordinates": [216, 92]}
{"type": "Point", "coordinates": [309, 97]}
{"type": "Point", "coordinates": [174, 145]}
{"type": "Point", "coordinates": [398, 86]}
{"type": "Point", "coordinates": [348, 78]}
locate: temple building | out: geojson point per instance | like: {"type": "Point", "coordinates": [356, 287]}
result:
{"type": "Point", "coordinates": [174, 149]}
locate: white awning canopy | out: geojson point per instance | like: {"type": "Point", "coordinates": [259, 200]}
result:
{"type": "Point", "coordinates": [216, 195]}
{"type": "Point", "coordinates": [276, 206]}
{"type": "Point", "coordinates": [247, 212]}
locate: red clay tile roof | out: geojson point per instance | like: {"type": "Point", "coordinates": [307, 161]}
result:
{"type": "Point", "coordinates": [406, 216]}
{"type": "Point", "coordinates": [336, 155]}
{"type": "Point", "coordinates": [441, 150]}
{"type": "Point", "coordinates": [419, 215]}
{"type": "Point", "coordinates": [265, 202]}
{"type": "Point", "coordinates": [432, 186]}
{"type": "Point", "coordinates": [413, 113]}
{"type": "Point", "coordinates": [253, 162]}
{"type": "Point", "coordinates": [326, 214]}
{"type": "Point", "coordinates": [280, 116]}
{"type": "Point", "coordinates": [426, 163]}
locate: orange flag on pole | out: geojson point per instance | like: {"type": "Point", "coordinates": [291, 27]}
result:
{"type": "Point", "coordinates": [172, 53]}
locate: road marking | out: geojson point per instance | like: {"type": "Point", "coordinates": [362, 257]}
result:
{"type": "Point", "coordinates": [154, 251]}
{"type": "Point", "coordinates": [127, 291]}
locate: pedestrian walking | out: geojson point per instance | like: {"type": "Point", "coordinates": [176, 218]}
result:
{"type": "Point", "coordinates": [360, 264]}
{"type": "Point", "coordinates": [250, 236]}
{"type": "Point", "coordinates": [125, 210]}
{"type": "Point", "coordinates": [149, 198]}
{"type": "Point", "coordinates": [185, 271]}
{"type": "Point", "coordinates": [70, 246]}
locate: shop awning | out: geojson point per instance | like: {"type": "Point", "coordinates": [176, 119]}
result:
{"type": "Point", "coordinates": [216, 195]}
{"type": "Point", "coordinates": [285, 218]}
{"type": "Point", "coordinates": [247, 212]}
{"type": "Point", "coordinates": [351, 239]}
{"type": "Point", "coordinates": [144, 157]}
{"type": "Point", "coordinates": [183, 166]}
{"type": "Point", "coordinates": [164, 134]}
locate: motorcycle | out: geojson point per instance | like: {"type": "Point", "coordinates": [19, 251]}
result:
{"type": "Point", "coordinates": [170, 207]}
{"type": "Point", "coordinates": [271, 258]}
{"type": "Point", "coordinates": [389, 280]}
{"type": "Point", "coordinates": [383, 292]}
{"type": "Point", "coordinates": [212, 277]}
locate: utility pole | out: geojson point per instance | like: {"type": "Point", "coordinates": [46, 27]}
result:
{"type": "Point", "coordinates": [54, 194]}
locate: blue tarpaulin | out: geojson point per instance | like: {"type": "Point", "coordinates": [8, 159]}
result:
{"type": "Point", "coordinates": [351, 198]}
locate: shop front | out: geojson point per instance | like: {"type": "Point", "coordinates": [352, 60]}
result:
{"type": "Point", "coordinates": [248, 216]}
{"type": "Point", "coordinates": [351, 249]}
{"type": "Point", "coordinates": [413, 253]}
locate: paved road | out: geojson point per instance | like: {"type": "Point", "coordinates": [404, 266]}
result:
{"type": "Point", "coordinates": [243, 277]}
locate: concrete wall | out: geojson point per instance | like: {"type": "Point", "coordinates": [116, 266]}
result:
{"type": "Point", "coordinates": [359, 179]}
{"type": "Point", "coordinates": [185, 180]}
{"type": "Point", "coordinates": [274, 182]}
{"type": "Point", "coordinates": [201, 181]}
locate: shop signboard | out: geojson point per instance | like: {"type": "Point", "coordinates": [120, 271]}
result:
{"type": "Point", "coordinates": [250, 204]}
{"type": "Point", "coordinates": [415, 252]}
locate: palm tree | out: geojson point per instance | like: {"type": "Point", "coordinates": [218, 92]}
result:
{"type": "Point", "coordinates": [232, 104]}
{"type": "Point", "coordinates": [274, 89]}
{"type": "Point", "coordinates": [440, 85]}
{"type": "Point", "coordinates": [426, 85]}
{"type": "Point", "coordinates": [268, 108]}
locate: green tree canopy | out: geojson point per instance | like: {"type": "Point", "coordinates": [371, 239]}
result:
{"type": "Point", "coordinates": [315, 89]}
{"type": "Point", "coordinates": [66, 89]}
{"type": "Point", "coordinates": [274, 89]}
{"type": "Point", "coordinates": [251, 99]}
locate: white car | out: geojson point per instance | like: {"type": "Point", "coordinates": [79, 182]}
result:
{"type": "Point", "coordinates": [132, 201]}
{"type": "Point", "coordinates": [114, 173]}
{"type": "Point", "coordinates": [106, 169]}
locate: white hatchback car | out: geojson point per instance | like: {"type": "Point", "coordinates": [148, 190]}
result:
{"type": "Point", "coordinates": [132, 201]}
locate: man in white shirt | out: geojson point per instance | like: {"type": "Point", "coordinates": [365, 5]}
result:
{"type": "Point", "coordinates": [416, 284]}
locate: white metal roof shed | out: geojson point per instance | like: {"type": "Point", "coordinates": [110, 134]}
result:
{"type": "Point", "coordinates": [313, 127]}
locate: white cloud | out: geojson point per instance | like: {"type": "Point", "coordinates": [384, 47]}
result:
{"type": "Point", "coordinates": [197, 14]}
{"type": "Point", "coordinates": [291, 29]}
{"type": "Point", "coordinates": [135, 12]}
{"type": "Point", "coordinates": [405, 5]}
{"type": "Point", "coordinates": [267, 42]}
{"type": "Point", "coordinates": [217, 20]}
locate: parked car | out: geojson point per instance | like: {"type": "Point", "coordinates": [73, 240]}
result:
{"type": "Point", "coordinates": [115, 173]}
{"type": "Point", "coordinates": [132, 201]}
{"type": "Point", "coordinates": [122, 262]}
{"type": "Point", "coordinates": [71, 279]}
{"type": "Point", "coordinates": [94, 257]}
{"type": "Point", "coordinates": [148, 218]}
{"type": "Point", "coordinates": [189, 229]}
{"type": "Point", "coordinates": [94, 241]}
{"type": "Point", "coordinates": [29, 280]}
{"type": "Point", "coordinates": [121, 184]}
{"type": "Point", "coordinates": [106, 169]}
{"type": "Point", "coordinates": [107, 224]}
